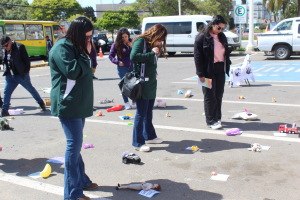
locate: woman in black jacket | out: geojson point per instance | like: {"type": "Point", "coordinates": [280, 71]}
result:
{"type": "Point", "coordinates": [212, 61]}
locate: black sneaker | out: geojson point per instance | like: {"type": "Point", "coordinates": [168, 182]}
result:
{"type": "Point", "coordinates": [94, 77]}
{"type": "Point", "coordinates": [4, 113]}
{"type": "Point", "coordinates": [43, 106]}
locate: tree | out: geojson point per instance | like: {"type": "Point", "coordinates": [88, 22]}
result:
{"type": "Point", "coordinates": [71, 18]}
{"type": "Point", "coordinates": [57, 9]}
{"type": "Point", "coordinates": [90, 13]}
{"type": "Point", "coordinates": [15, 12]}
{"type": "Point", "coordinates": [110, 21]}
{"type": "Point", "coordinates": [130, 17]}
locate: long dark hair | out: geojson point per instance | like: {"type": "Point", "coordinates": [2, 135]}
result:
{"type": "Point", "coordinates": [216, 20]}
{"type": "Point", "coordinates": [76, 33]}
{"type": "Point", "coordinates": [119, 42]}
{"type": "Point", "coordinates": [158, 32]}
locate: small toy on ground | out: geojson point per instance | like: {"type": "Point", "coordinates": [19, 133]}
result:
{"type": "Point", "coordinates": [0, 148]}
{"type": "Point", "coordinates": [11, 118]}
{"type": "Point", "coordinates": [47, 171]}
{"type": "Point", "coordinates": [4, 125]}
{"type": "Point", "coordinates": [106, 101]}
{"type": "Point", "coordinates": [167, 114]}
{"type": "Point", "coordinates": [188, 94]}
{"type": "Point", "coordinates": [179, 92]}
{"type": "Point", "coordinates": [161, 103]}
{"type": "Point", "coordinates": [125, 117]}
{"type": "Point", "coordinates": [245, 115]}
{"type": "Point", "coordinates": [131, 158]}
{"type": "Point", "coordinates": [47, 102]}
{"type": "Point", "coordinates": [214, 173]}
{"type": "Point", "coordinates": [242, 97]}
{"type": "Point", "coordinates": [273, 99]}
{"type": "Point", "coordinates": [233, 131]}
{"type": "Point", "coordinates": [114, 108]}
{"type": "Point", "coordinates": [99, 114]}
{"type": "Point", "coordinates": [88, 145]}
{"type": "Point", "coordinates": [285, 129]}
{"type": "Point", "coordinates": [143, 186]}
{"type": "Point", "coordinates": [255, 147]}
{"type": "Point", "coordinates": [130, 123]}
{"type": "Point", "coordinates": [194, 148]}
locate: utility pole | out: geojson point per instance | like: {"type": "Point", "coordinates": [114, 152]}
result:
{"type": "Point", "coordinates": [113, 4]}
{"type": "Point", "coordinates": [179, 7]}
{"type": "Point", "coordinates": [250, 45]}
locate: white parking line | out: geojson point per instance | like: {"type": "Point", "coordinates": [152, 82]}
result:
{"type": "Point", "coordinates": [297, 70]}
{"type": "Point", "coordinates": [259, 69]}
{"type": "Point", "coordinates": [289, 69]}
{"type": "Point", "coordinates": [45, 187]}
{"type": "Point", "coordinates": [279, 69]}
{"type": "Point", "coordinates": [195, 83]}
{"type": "Point", "coordinates": [269, 69]}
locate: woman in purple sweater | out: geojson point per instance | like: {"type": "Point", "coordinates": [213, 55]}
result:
{"type": "Point", "coordinates": [122, 49]}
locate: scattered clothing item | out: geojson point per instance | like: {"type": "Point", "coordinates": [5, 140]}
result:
{"type": "Point", "coordinates": [245, 116]}
{"type": "Point", "coordinates": [255, 147]}
{"type": "Point", "coordinates": [4, 124]}
{"type": "Point", "coordinates": [161, 103]}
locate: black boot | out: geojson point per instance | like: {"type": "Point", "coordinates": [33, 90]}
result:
{"type": "Point", "coordinates": [43, 106]}
{"type": "Point", "coordinates": [4, 113]}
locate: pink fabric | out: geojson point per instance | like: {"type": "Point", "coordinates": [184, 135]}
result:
{"type": "Point", "coordinates": [219, 50]}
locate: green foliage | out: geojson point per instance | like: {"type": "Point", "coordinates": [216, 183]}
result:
{"type": "Point", "coordinates": [71, 8]}
{"type": "Point", "coordinates": [15, 12]}
{"type": "Point", "coordinates": [89, 13]}
{"type": "Point", "coordinates": [71, 18]}
{"type": "Point", "coordinates": [263, 26]}
{"type": "Point", "coordinates": [130, 18]}
{"type": "Point", "coordinates": [293, 9]}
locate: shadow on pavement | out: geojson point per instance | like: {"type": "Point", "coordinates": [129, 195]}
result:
{"type": "Point", "coordinates": [107, 79]}
{"type": "Point", "coordinates": [170, 191]}
{"type": "Point", "coordinates": [254, 125]}
{"type": "Point", "coordinates": [37, 108]}
{"type": "Point", "coordinates": [24, 167]}
{"type": "Point", "coordinates": [269, 58]}
{"type": "Point", "coordinates": [205, 146]}
{"type": "Point", "coordinates": [171, 108]}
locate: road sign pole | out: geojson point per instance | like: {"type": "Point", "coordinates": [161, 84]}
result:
{"type": "Point", "coordinates": [240, 31]}
{"type": "Point", "coordinates": [250, 45]}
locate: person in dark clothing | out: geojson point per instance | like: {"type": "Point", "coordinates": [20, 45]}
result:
{"type": "Point", "coordinates": [16, 67]}
{"type": "Point", "coordinates": [211, 55]}
{"type": "Point", "coordinates": [94, 59]}
{"type": "Point", "coordinates": [49, 45]}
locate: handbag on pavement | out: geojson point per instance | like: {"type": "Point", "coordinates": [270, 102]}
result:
{"type": "Point", "coordinates": [130, 85]}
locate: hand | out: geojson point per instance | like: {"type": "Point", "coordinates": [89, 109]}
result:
{"type": "Point", "coordinates": [129, 44]}
{"type": "Point", "coordinates": [94, 70]}
{"type": "Point", "coordinates": [156, 75]}
{"type": "Point", "coordinates": [121, 63]}
{"type": "Point", "coordinates": [156, 50]}
{"type": "Point", "coordinates": [202, 79]}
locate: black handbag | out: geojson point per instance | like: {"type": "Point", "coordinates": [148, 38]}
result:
{"type": "Point", "coordinates": [130, 85]}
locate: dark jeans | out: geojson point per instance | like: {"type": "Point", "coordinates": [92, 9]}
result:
{"type": "Point", "coordinates": [122, 70]}
{"type": "Point", "coordinates": [143, 128]}
{"type": "Point", "coordinates": [11, 82]}
{"type": "Point", "coordinates": [213, 97]}
{"type": "Point", "coordinates": [75, 177]}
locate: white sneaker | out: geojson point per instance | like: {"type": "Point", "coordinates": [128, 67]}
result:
{"type": "Point", "coordinates": [219, 121]}
{"type": "Point", "coordinates": [127, 106]}
{"type": "Point", "coordinates": [155, 141]}
{"type": "Point", "coordinates": [215, 126]}
{"type": "Point", "coordinates": [142, 148]}
{"type": "Point", "coordinates": [133, 106]}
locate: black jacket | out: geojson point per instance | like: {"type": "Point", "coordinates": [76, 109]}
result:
{"type": "Point", "coordinates": [204, 55]}
{"type": "Point", "coordinates": [19, 58]}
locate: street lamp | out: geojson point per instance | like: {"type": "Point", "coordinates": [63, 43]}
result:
{"type": "Point", "coordinates": [179, 7]}
{"type": "Point", "coordinates": [250, 35]}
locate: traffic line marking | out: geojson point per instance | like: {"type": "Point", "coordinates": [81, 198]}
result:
{"type": "Point", "coordinates": [45, 187]}
{"type": "Point", "coordinates": [279, 69]}
{"type": "Point", "coordinates": [259, 69]}
{"type": "Point", "coordinates": [290, 69]}
{"type": "Point", "coordinates": [297, 70]}
{"type": "Point", "coordinates": [269, 69]}
{"type": "Point", "coordinates": [195, 83]}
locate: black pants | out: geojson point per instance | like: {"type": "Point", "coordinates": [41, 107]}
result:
{"type": "Point", "coordinates": [213, 97]}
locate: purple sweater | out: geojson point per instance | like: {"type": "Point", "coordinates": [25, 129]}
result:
{"type": "Point", "coordinates": [94, 57]}
{"type": "Point", "coordinates": [126, 55]}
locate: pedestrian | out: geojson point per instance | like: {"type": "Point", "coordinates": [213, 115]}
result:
{"type": "Point", "coordinates": [72, 100]}
{"type": "Point", "coordinates": [49, 45]}
{"type": "Point", "coordinates": [211, 55]}
{"type": "Point", "coordinates": [94, 59]}
{"type": "Point", "coordinates": [16, 67]}
{"type": "Point", "coordinates": [143, 129]}
{"type": "Point", "coordinates": [122, 48]}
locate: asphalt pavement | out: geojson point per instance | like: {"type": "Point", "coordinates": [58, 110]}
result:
{"type": "Point", "coordinates": [36, 137]}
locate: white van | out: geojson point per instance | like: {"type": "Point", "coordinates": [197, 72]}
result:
{"type": "Point", "coordinates": [182, 31]}
{"type": "Point", "coordinates": [134, 32]}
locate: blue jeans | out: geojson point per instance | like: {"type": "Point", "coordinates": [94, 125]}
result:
{"type": "Point", "coordinates": [143, 128]}
{"type": "Point", "coordinates": [122, 70]}
{"type": "Point", "coordinates": [11, 82]}
{"type": "Point", "coordinates": [75, 177]}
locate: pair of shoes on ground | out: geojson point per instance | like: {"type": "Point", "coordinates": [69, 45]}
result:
{"type": "Point", "coordinates": [128, 106]}
{"type": "Point", "coordinates": [216, 125]}
{"type": "Point", "coordinates": [147, 148]}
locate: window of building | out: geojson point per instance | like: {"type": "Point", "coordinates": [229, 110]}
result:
{"type": "Point", "coordinates": [34, 32]}
{"type": "Point", "coordinates": [15, 31]}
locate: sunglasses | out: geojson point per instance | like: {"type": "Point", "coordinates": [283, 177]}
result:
{"type": "Point", "coordinates": [89, 37]}
{"type": "Point", "coordinates": [219, 28]}
{"type": "Point", "coordinates": [5, 45]}
{"type": "Point", "coordinates": [123, 30]}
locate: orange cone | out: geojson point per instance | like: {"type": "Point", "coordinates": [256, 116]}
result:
{"type": "Point", "coordinates": [100, 53]}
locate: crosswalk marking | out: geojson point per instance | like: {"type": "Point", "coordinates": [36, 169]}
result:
{"type": "Point", "coordinates": [289, 69]}
{"type": "Point", "coordinates": [279, 69]}
{"type": "Point", "coordinates": [259, 69]}
{"type": "Point", "coordinates": [297, 70]}
{"type": "Point", "coordinates": [269, 69]}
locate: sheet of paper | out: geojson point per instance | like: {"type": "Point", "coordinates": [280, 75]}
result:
{"type": "Point", "coordinates": [265, 147]}
{"type": "Point", "coordinates": [148, 193]}
{"type": "Point", "coordinates": [35, 175]}
{"type": "Point", "coordinates": [207, 83]}
{"type": "Point", "coordinates": [57, 159]}
{"type": "Point", "coordinates": [279, 134]}
{"type": "Point", "coordinates": [219, 177]}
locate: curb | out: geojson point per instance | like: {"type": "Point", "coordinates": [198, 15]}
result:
{"type": "Point", "coordinates": [39, 65]}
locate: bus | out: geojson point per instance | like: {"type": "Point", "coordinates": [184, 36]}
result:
{"type": "Point", "coordinates": [31, 33]}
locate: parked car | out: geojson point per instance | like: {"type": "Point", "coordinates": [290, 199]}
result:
{"type": "Point", "coordinates": [246, 30]}
{"type": "Point", "coordinates": [110, 42]}
{"type": "Point", "coordinates": [134, 32]}
{"type": "Point", "coordinates": [282, 40]}
{"type": "Point", "coordinates": [103, 36]}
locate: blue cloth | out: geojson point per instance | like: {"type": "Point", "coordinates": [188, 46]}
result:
{"type": "Point", "coordinates": [11, 82]}
{"type": "Point", "coordinates": [143, 128]}
{"type": "Point", "coordinates": [122, 70]}
{"type": "Point", "coordinates": [75, 177]}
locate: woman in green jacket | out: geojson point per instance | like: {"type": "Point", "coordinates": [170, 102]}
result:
{"type": "Point", "coordinates": [72, 100]}
{"type": "Point", "coordinates": [143, 130]}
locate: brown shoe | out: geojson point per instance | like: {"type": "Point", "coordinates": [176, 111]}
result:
{"type": "Point", "coordinates": [85, 198]}
{"type": "Point", "coordinates": [91, 187]}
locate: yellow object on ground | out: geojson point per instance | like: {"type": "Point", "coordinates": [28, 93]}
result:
{"type": "Point", "coordinates": [47, 171]}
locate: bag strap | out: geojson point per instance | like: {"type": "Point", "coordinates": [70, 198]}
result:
{"type": "Point", "coordinates": [143, 64]}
